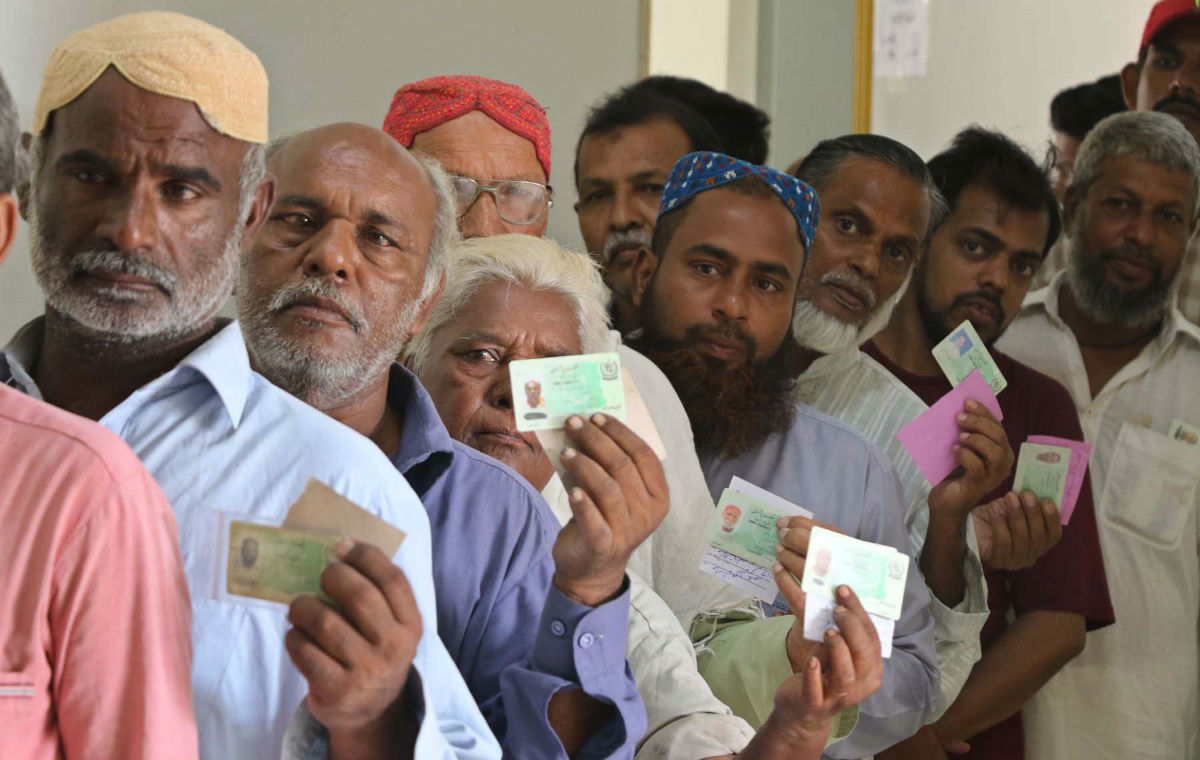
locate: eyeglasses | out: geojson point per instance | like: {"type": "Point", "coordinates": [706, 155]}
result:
{"type": "Point", "coordinates": [517, 201]}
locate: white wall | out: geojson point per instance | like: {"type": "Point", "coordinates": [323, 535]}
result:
{"type": "Point", "coordinates": [341, 61]}
{"type": "Point", "coordinates": [715, 41]}
{"type": "Point", "coordinates": [998, 63]}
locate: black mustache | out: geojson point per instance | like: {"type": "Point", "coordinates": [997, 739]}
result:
{"type": "Point", "coordinates": [1180, 100]}
{"type": "Point", "coordinates": [983, 295]}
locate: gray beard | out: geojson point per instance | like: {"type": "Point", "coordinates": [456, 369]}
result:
{"type": "Point", "coordinates": [319, 380]}
{"type": "Point", "coordinates": [820, 332]}
{"type": "Point", "coordinates": [1105, 303]}
{"type": "Point", "coordinates": [112, 314]}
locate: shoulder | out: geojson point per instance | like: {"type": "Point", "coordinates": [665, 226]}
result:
{"type": "Point", "coordinates": [270, 408]}
{"type": "Point", "coordinates": [829, 434]}
{"type": "Point", "coordinates": [1030, 383]}
{"type": "Point", "coordinates": [64, 441]}
{"type": "Point", "coordinates": [497, 479]}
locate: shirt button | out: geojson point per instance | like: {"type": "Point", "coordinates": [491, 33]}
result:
{"type": "Point", "coordinates": [557, 628]}
{"type": "Point", "coordinates": [586, 640]}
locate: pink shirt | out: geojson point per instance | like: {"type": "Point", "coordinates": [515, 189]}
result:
{"type": "Point", "coordinates": [95, 652]}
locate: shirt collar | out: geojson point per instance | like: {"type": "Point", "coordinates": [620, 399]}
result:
{"type": "Point", "coordinates": [19, 356]}
{"type": "Point", "coordinates": [423, 434]}
{"type": "Point", "coordinates": [1174, 325]}
{"type": "Point", "coordinates": [224, 361]}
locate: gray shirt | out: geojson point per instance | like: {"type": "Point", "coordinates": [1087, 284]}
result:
{"type": "Point", "coordinates": [826, 466]}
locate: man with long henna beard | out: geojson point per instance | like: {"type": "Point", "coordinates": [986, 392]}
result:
{"type": "Point", "coordinates": [716, 304]}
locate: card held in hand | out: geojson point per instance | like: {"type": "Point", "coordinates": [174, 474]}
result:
{"type": "Point", "coordinates": [547, 391]}
{"type": "Point", "coordinates": [750, 568]}
{"type": "Point", "coordinates": [277, 564]}
{"type": "Point", "coordinates": [961, 352]}
{"type": "Point", "coordinates": [321, 509]}
{"type": "Point", "coordinates": [1044, 470]}
{"type": "Point", "coordinates": [875, 572]}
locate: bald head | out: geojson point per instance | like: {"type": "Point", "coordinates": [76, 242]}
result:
{"type": "Point", "coordinates": [347, 262]}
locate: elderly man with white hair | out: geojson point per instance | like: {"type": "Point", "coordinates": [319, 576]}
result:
{"type": "Point", "coordinates": [513, 297]}
{"type": "Point", "coordinates": [1109, 329]}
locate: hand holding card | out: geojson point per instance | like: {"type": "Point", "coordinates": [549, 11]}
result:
{"type": "Point", "coordinates": [930, 439]}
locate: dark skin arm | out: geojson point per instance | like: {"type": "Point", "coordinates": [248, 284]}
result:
{"type": "Point", "coordinates": [357, 657]}
{"type": "Point", "coordinates": [1012, 669]}
{"type": "Point", "coordinates": [620, 498]}
{"type": "Point", "coordinates": [985, 459]}
{"type": "Point", "coordinates": [807, 702]}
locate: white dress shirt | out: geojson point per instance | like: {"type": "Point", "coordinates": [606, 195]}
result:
{"type": "Point", "coordinates": [856, 389]}
{"type": "Point", "coordinates": [1133, 692]}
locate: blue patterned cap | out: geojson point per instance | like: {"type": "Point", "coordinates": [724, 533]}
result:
{"type": "Point", "coordinates": [705, 170]}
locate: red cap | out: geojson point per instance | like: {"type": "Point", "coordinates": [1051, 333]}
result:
{"type": "Point", "coordinates": [421, 106]}
{"type": "Point", "coordinates": [1163, 14]}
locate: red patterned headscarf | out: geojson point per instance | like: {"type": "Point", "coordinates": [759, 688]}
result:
{"type": "Point", "coordinates": [421, 106]}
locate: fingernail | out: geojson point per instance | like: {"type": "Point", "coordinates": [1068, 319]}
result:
{"type": "Point", "coordinates": [343, 547]}
{"type": "Point", "coordinates": [781, 522]}
{"type": "Point", "coordinates": [813, 663]}
{"type": "Point", "coordinates": [961, 417]}
{"type": "Point", "coordinates": [568, 453]}
{"type": "Point", "coordinates": [829, 633]}
{"type": "Point", "coordinates": [839, 610]}
{"type": "Point", "coordinates": [843, 592]}
{"type": "Point", "coordinates": [577, 494]}
{"type": "Point", "coordinates": [778, 548]}
{"type": "Point", "coordinates": [783, 532]}
{"type": "Point", "coordinates": [972, 405]}
{"type": "Point", "coordinates": [963, 436]}
{"type": "Point", "coordinates": [574, 422]}
{"type": "Point", "coordinates": [777, 568]}
{"type": "Point", "coordinates": [599, 419]}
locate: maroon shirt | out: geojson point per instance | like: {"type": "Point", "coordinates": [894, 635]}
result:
{"type": "Point", "coordinates": [1068, 578]}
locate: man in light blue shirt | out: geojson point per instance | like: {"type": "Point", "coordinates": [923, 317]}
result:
{"type": "Point", "coordinates": [138, 205]}
{"type": "Point", "coordinates": [715, 307]}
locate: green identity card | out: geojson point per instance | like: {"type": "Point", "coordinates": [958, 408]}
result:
{"type": "Point", "coordinates": [961, 352]}
{"type": "Point", "coordinates": [548, 391]}
{"type": "Point", "coordinates": [1044, 470]}
{"type": "Point", "coordinates": [875, 572]}
{"type": "Point", "coordinates": [277, 564]}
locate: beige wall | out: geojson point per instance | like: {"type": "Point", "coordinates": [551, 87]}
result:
{"type": "Point", "coordinates": [999, 62]}
{"type": "Point", "coordinates": [341, 61]}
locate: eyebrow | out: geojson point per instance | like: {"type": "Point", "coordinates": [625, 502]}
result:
{"type": "Point", "coordinates": [84, 156]}
{"type": "Point", "coordinates": [174, 171]}
{"type": "Point", "coordinates": [192, 174]}
{"type": "Point", "coordinates": [484, 336]}
{"type": "Point", "coordinates": [648, 174]}
{"type": "Point", "coordinates": [765, 267]}
{"type": "Point", "coordinates": [981, 232]}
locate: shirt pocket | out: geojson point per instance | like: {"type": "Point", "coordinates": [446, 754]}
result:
{"type": "Point", "coordinates": [17, 690]}
{"type": "Point", "coordinates": [1151, 486]}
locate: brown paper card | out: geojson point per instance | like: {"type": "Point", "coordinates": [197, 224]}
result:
{"type": "Point", "coordinates": [324, 510]}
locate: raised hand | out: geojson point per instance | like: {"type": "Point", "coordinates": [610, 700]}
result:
{"type": "Point", "coordinates": [619, 498]}
{"type": "Point", "coordinates": [791, 552]}
{"type": "Point", "coordinates": [985, 459]}
{"type": "Point", "coordinates": [1014, 531]}
{"type": "Point", "coordinates": [806, 703]}
{"type": "Point", "coordinates": [357, 657]}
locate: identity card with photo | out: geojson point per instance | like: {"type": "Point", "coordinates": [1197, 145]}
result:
{"type": "Point", "coordinates": [277, 564]}
{"type": "Point", "coordinates": [961, 352]}
{"type": "Point", "coordinates": [547, 391]}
